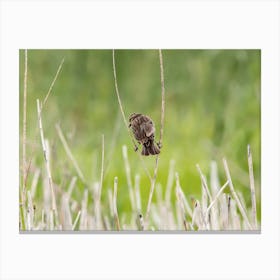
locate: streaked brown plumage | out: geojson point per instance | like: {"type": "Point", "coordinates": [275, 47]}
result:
{"type": "Point", "coordinates": [144, 132]}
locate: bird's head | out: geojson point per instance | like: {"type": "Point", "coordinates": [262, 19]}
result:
{"type": "Point", "coordinates": [149, 128]}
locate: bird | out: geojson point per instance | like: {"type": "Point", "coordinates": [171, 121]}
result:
{"type": "Point", "coordinates": [143, 130]}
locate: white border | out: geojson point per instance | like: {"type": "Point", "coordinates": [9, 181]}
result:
{"type": "Point", "coordinates": [191, 24]}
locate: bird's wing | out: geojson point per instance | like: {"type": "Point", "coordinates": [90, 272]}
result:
{"type": "Point", "coordinates": [147, 126]}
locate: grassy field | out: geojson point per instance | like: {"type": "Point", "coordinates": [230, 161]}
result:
{"type": "Point", "coordinates": [212, 113]}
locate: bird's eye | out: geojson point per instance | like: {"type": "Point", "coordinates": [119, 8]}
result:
{"type": "Point", "coordinates": [151, 122]}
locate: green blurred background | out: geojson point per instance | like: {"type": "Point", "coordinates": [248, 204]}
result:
{"type": "Point", "coordinates": [212, 110]}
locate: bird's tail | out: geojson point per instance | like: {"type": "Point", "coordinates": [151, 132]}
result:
{"type": "Point", "coordinates": [150, 148]}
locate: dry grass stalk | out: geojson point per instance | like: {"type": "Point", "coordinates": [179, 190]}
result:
{"type": "Point", "coordinates": [69, 153]}
{"type": "Point", "coordinates": [137, 193]}
{"type": "Point", "coordinates": [187, 206]}
{"type": "Point", "coordinates": [51, 220]}
{"type": "Point", "coordinates": [214, 178]}
{"type": "Point", "coordinates": [34, 183]}
{"type": "Point", "coordinates": [124, 118]}
{"type": "Point", "coordinates": [97, 208]}
{"type": "Point", "coordinates": [169, 216]}
{"type": "Point", "coordinates": [153, 181]}
{"type": "Point", "coordinates": [162, 98]}
{"type": "Point", "coordinates": [30, 212]}
{"type": "Point", "coordinates": [204, 202]}
{"type": "Point", "coordinates": [128, 178]}
{"type": "Point", "coordinates": [155, 217]}
{"type": "Point", "coordinates": [116, 216]}
{"type": "Point", "coordinates": [120, 102]}
{"type": "Point", "coordinates": [71, 186]}
{"type": "Point", "coordinates": [242, 211]}
{"type": "Point", "coordinates": [216, 198]}
{"type": "Point", "coordinates": [66, 213]}
{"type": "Point", "coordinates": [224, 213]}
{"type": "Point", "coordinates": [140, 222]}
{"type": "Point", "coordinates": [46, 197]}
{"type": "Point", "coordinates": [54, 208]}
{"type": "Point", "coordinates": [204, 183]}
{"type": "Point", "coordinates": [252, 186]}
{"type": "Point", "coordinates": [53, 82]}
{"type": "Point", "coordinates": [203, 207]}
{"type": "Point", "coordinates": [102, 169]}
{"type": "Point", "coordinates": [151, 191]}
{"type": "Point", "coordinates": [170, 180]}
{"type": "Point", "coordinates": [235, 220]}
{"type": "Point", "coordinates": [179, 216]}
{"type": "Point", "coordinates": [24, 169]}
{"type": "Point", "coordinates": [83, 221]}
{"type": "Point", "coordinates": [215, 187]}
{"type": "Point", "coordinates": [159, 194]}
{"type": "Point", "coordinates": [76, 220]}
{"type": "Point", "coordinates": [46, 155]}
{"type": "Point", "coordinates": [42, 220]}
{"type": "Point", "coordinates": [107, 224]}
{"type": "Point", "coordinates": [197, 218]}
{"type": "Point", "coordinates": [179, 195]}
{"type": "Point", "coordinates": [242, 201]}
{"type": "Point", "coordinates": [74, 205]}
{"type": "Point", "coordinates": [110, 200]}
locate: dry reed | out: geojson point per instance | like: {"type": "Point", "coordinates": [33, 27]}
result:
{"type": "Point", "coordinates": [69, 153]}
{"type": "Point", "coordinates": [252, 186]}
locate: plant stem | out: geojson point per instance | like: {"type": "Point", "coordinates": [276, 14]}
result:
{"type": "Point", "coordinates": [242, 211]}
{"type": "Point", "coordinates": [252, 186]}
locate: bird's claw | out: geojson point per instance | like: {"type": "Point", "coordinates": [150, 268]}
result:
{"type": "Point", "coordinates": [135, 148]}
{"type": "Point", "coordinates": [159, 145]}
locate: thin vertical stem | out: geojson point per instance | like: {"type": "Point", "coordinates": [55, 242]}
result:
{"type": "Point", "coordinates": [204, 183]}
{"type": "Point", "coordinates": [162, 97]}
{"type": "Point", "coordinates": [46, 155]}
{"type": "Point", "coordinates": [216, 198]}
{"type": "Point", "coordinates": [242, 211]}
{"type": "Point", "coordinates": [137, 193]}
{"type": "Point", "coordinates": [30, 211]}
{"type": "Point", "coordinates": [128, 178]}
{"type": "Point", "coordinates": [115, 209]}
{"type": "Point", "coordinates": [24, 121]}
{"type": "Point", "coordinates": [252, 186]}
{"type": "Point", "coordinates": [124, 118]}
{"type": "Point", "coordinates": [102, 169]}
{"type": "Point", "coordinates": [170, 180]}
{"type": "Point", "coordinates": [76, 220]}
{"type": "Point", "coordinates": [24, 171]}
{"type": "Point", "coordinates": [160, 138]}
{"type": "Point", "coordinates": [99, 190]}
{"type": "Point", "coordinates": [119, 100]}
{"type": "Point", "coordinates": [151, 191]}
{"type": "Point", "coordinates": [179, 195]}
{"type": "Point", "coordinates": [69, 153]}
{"type": "Point", "coordinates": [53, 82]}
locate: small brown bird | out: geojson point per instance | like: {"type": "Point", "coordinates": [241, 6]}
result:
{"type": "Point", "coordinates": [144, 132]}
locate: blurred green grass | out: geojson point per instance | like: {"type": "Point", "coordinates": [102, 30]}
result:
{"type": "Point", "coordinates": [212, 110]}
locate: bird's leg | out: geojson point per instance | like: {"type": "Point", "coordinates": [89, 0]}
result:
{"type": "Point", "coordinates": [136, 147]}
{"type": "Point", "coordinates": [159, 145]}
